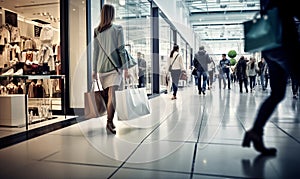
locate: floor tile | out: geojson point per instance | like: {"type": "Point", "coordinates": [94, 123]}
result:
{"type": "Point", "coordinates": [194, 136]}
{"type": "Point", "coordinates": [232, 161]}
{"type": "Point", "coordinates": [125, 173]}
{"type": "Point", "coordinates": [164, 156]}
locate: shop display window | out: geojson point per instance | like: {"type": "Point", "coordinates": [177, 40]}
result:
{"type": "Point", "coordinates": [165, 47]}
{"type": "Point", "coordinates": [30, 60]}
{"type": "Point", "coordinates": [134, 16]}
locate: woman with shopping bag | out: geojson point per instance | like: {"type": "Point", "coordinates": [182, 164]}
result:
{"type": "Point", "coordinates": [108, 57]}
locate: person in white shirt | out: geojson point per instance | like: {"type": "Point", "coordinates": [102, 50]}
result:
{"type": "Point", "coordinates": [175, 63]}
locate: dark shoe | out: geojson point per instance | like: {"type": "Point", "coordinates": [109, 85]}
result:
{"type": "Point", "coordinates": [173, 97]}
{"type": "Point", "coordinates": [295, 96]}
{"type": "Point", "coordinates": [257, 141]}
{"type": "Point", "coordinates": [199, 92]}
{"type": "Point", "coordinates": [247, 91]}
{"type": "Point", "coordinates": [110, 126]}
{"type": "Point", "coordinates": [203, 92]}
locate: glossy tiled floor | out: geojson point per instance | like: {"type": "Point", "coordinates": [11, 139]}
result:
{"type": "Point", "coordinates": [191, 137]}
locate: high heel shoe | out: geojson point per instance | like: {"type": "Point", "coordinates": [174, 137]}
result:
{"type": "Point", "coordinates": [258, 144]}
{"type": "Point", "coordinates": [110, 127]}
{"type": "Point", "coordinates": [113, 125]}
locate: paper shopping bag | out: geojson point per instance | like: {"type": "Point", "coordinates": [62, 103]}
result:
{"type": "Point", "coordinates": [94, 105]}
{"type": "Point", "coordinates": [132, 103]}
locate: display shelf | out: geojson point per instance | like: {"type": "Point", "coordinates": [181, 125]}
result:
{"type": "Point", "coordinates": [11, 112]}
{"type": "Point", "coordinates": [34, 77]}
{"type": "Point", "coordinates": [29, 118]}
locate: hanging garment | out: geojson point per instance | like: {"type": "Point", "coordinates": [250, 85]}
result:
{"type": "Point", "coordinates": [15, 34]}
{"type": "Point", "coordinates": [4, 36]}
{"type": "Point", "coordinates": [46, 34]}
{"type": "Point", "coordinates": [46, 57]}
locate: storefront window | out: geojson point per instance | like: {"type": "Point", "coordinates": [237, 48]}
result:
{"type": "Point", "coordinates": [134, 16]}
{"type": "Point", "coordinates": [165, 48]}
{"type": "Point", "coordinates": [30, 58]}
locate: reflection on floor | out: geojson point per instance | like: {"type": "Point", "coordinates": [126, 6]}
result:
{"type": "Point", "coordinates": [194, 136]}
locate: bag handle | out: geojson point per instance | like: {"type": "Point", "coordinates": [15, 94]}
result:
{"type": "Point", "coordinates": [92, 88]}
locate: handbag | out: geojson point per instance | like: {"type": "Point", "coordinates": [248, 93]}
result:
{"type": "Point", "coordinates": [170, 67]}
{"type": "Point", "coordinates": [183, 75]}
{"type": "Point", "coordinates": [128, 61]}
{"type": "Point", "coordinates": [194, 72]}
{"type": "Point", "coordinates": [94, 105]}
{"type": "Point", "coordinates": [264, 33]}
{"type": "Point", "coordinates": [132, 103]}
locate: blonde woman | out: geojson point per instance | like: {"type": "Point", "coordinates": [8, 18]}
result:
{"type": "Point", "coordinates": [108, 49]}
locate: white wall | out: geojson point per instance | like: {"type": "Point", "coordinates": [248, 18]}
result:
{"type": "Point", "coordinates": [78, 53]}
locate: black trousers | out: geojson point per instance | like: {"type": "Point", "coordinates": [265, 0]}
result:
{"type": "Point", "coordinates": [245, 81]}
{"type": "Point", "coordinates": [278, 80]}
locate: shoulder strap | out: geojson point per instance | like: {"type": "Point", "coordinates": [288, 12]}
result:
{"type": "Point", "coordinates": [174, 59]}
{"type": "Point", "coordinates": [107, 56]}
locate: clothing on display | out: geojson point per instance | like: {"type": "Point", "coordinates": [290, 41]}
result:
{"type": "Point", "coordinates": [21, 57]}
{"type": "Point", "coordinates": [46, 34]}
{"type": "Point", "coordinates": [4, 35]}
{"type": "Point", "coordinates": [29, 44]}
{"type": "Point", "coordinates": [8, 72]}
{"type": "Point", "coordinates": [19, 72]}
{"type": "Point", "coordinates": [46, 56]}
{"type": "Point", "coordinates": [15, 34]}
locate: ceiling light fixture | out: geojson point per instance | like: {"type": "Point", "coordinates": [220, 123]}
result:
{"type": "Point", "coordinates": [251, 5]}
{"type": "Point", "coordinates": [223, 6]}
{"type": "Point", "coordinates": [122, 2]}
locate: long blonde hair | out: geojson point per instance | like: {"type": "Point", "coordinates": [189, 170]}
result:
{"type": "Point", "coordinates": [107, 16]}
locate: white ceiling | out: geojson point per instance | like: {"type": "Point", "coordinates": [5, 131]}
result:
{"type": "Point", "coordinates": [220, 19]}
{"type": "Point", "coordinates": [45, 10]}
{"type": "Point", "coordinates": [212, 20]}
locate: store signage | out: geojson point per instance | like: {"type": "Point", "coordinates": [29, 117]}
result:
{"type": "Point", "coordinates": [37, 31]}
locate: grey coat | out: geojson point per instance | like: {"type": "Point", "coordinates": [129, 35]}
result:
{"type": "Point", "coordinates": [112, 41]}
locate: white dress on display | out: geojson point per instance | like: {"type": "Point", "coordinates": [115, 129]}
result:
{"type": "Point", "coordinates": [47, 33]}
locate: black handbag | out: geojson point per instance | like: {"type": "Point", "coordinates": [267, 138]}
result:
{"type": "Point", "coordinates": [194, 72]}
{"type": "Point", "coordinates": [264, 33]}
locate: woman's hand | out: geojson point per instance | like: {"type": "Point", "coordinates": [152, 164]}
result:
{"type": "Point", "coordinates": [95, 76]}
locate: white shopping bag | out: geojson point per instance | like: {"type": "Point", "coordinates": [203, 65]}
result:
{"type": "Point", "coordinates": [132, 103]}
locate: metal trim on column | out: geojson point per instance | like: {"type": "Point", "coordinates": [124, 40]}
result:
{"type": "Point", "coordinates": [101, 3]}
{"type": "Point", "coordinates": [155, 49]}
{"type": "Point", "coordinates": [174, 36]}
{"type": "Point", "coordinates": [64, 37]}
{"type": "Point", "coordinates": [89, 41]}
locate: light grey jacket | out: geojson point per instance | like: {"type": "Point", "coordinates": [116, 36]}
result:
{"type": "Point", "coordinates": [112, 41]}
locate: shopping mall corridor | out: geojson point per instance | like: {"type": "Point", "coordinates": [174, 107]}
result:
{"type": "Point", "coordinates": [194, 136]}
